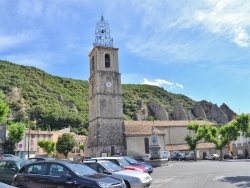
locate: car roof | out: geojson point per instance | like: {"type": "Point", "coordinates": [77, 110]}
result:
{"type": "Point", "coordinates": [96, 161]}
{"type": "Point", "coordinates": [13, 159]}
{"type": "Point", "coordinates": [57, 161]}
{"type": "Point", "coordinates": [108, 157]}
{"type": "Point", "coordinates": [42, 158]}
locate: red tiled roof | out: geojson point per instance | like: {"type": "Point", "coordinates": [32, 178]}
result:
{"type": "Point", "coordinates": [167, 123]}
{"type": "Point", "coordinates": [186, 147]}
{"type": "Point", "coordinates": [137, 130]}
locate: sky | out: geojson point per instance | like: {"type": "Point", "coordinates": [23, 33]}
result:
{"type": "Point", "coordinates": [200, 49]}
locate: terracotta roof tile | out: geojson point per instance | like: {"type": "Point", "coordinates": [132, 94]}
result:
{"type": "Point", "coordinates": [167, 123]}
{"type": "Point", "coordinates": [140, 129]}
{"type": "Point", "coordinates": [133, 128]}
{"type": "Point", "coordinates": [185, 146]}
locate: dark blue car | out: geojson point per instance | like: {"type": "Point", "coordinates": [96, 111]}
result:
{"type": "Point", "coordinates": [134, 162]}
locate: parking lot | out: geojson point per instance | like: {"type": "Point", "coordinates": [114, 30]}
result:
{"type": "Point", "coordinates": [203, 174]}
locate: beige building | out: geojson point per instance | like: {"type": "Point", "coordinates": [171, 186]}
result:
{"type": "Point", "coordinates": [171, 136]}
{"type": "Point", "coordinates": [28, 146]}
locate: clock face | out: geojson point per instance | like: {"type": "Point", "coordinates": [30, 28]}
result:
{"type": "Point", "coordinates": [108, 84]}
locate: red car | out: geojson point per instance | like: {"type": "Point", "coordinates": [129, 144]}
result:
{"type": "Point", "coordinates": [123, 163]}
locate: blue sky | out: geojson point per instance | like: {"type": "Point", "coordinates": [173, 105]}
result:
{"type": "Point", "coordinates": [200, 49]}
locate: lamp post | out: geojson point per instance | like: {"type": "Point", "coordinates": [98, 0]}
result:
{"type": "Point", "coordinates": [29, 143]}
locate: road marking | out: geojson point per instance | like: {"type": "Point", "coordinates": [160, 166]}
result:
{"type": "Point", "coordinates": [160, 181]}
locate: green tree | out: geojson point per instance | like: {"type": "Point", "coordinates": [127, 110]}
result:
{"type": "Point", "coordinates": [220, 136]}
{"type": "Point", "coordinates": [243, 123]}
{"type": "Point", "coordinates": [65, 144]}
{"type": "Point", "coordinates": [192, 141]}
{"type": "Point", "coordinates": [8, 146]}
{"type": "Point", "coordinates": [4, 108]}
{"type": "Point", "coordinates": [227, 133]}
{"type": "Point", "coordinates": [48, 146]}
{"type": "Point", "coordinates": [16, 132]}
{"type": "Point", "coordinates": [83, 132]}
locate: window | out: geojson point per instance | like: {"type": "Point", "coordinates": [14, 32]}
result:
{"type": "Point", "coordinates": [93, 62]}
{"type": "Point", "coordinates": [112, 150]}
{"type": "Point", "coordinates": [10, 166]}
{"type": "Point", "coordinates": [37, 169]}
{"type": "Point", "coordinates": [107, 61]}
{"type": "Point", "coordinates": [2, 164]}
{"type": "Point", "coordinates": [146, 144]}
{"type": "Point", "coordinates": [57, 170]}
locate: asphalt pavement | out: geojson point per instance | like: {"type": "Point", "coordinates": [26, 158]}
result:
{"type": "Point", "coordinates": [203, 174]}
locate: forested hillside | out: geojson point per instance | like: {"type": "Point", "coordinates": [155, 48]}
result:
{"type": "Point", "coordinates": [57, 102]}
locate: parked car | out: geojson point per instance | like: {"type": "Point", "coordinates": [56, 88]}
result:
{"type": "Point", "coordinates": [178, 157]}
{"type": "Point", "coordinates": [61, 173]}
{"type": "Point", "coordinates": [190, 156]}
{"type": "Point", "coordinates": [212, 157]}
{"type": "Point", "coordinates": [228, 156]}
{"type": "Point", "coordinates": [9, 167]}
{"type": "Point", "coordinates": [122, 163]}
{"type": "Point", "coordinates": [8, 156]}
{"type": "Point", "coordinates": [131, 178]}
{"type": "Point", "coordinates": [140, 158]}
{"type": "Point", "coordinates": [34, 159]}
{"type": "Point", "coordinates": [149, 168]}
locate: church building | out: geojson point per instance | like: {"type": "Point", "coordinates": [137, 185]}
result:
{"type": "Point", "coordinates": [109, 134]}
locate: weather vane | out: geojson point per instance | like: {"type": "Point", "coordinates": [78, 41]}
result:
{"type": "Point", "coordinates": [102, 34]}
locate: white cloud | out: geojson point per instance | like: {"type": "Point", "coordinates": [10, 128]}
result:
{"type": "Point", "coordinates": [162, 83]}
{"type": "Point", "coordinates": [190, 33]}
{"type": "Point", "coordinates": [179, 85]}
{"type": "Point", "coordinates": [226, 17]}
{"type": "Point", "coordinates": [157, 82]}
{"type": "Point", "coordinates": [8, 41]}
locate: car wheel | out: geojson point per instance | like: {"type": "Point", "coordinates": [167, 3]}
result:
{"type": "Point", "coordinates": [127, 184]}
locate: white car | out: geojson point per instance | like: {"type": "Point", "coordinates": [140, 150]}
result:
{"type": "Point", "coordinates": [135, 179]}
{"type": "Point", "coordinates": [212, 157]}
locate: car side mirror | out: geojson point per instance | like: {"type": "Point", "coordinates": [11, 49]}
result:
{"type": "Point", "coordinates": [66, 176]}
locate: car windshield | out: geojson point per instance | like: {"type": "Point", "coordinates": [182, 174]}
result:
{"type": "Point", "coordinates": [123, 162]}
{"type": "Point", "coordinates": [130, 160]}
{"type": "Point", "coordinates": [111, 166]}
{"type": "Point", "coordinates": [80, 169]}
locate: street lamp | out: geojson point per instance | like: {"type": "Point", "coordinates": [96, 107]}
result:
{"type": "Point", "coordinates": [29, 143]}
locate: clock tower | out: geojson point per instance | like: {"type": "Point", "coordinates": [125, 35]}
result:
{"type": "Point", "coordinates": [106, 132]}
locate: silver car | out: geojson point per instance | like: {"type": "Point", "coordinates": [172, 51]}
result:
{"type": "Point", "coordinates": [135, 179]}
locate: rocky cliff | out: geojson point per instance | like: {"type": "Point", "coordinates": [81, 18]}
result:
{"type": "Point", "coordinates": [201, 110]}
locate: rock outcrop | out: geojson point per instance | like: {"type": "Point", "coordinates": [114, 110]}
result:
{"type": "Point", "coordinates": [69, 104]}
{"type": "Point", "coordinates": [230, 113]}
{"type": "Point", "coordinates": [142, 113]}
{"type": "Point", "coordinates": [179, 113]}
{"type": "Point", "coordinates": [213, 112]}
{"type": "Point", "coordinates": [201, 110]}
{"type": "Point", "coordinates": [157, 110]}
{"type": "Point", "coordinates": [18, 105]}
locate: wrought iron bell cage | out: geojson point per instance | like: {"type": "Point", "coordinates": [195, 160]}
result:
{"type": "Point", "coordinates": [102, 34]}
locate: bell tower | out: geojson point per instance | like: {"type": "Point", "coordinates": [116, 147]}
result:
{"type": "Point", "coordinates": [106, 132]}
